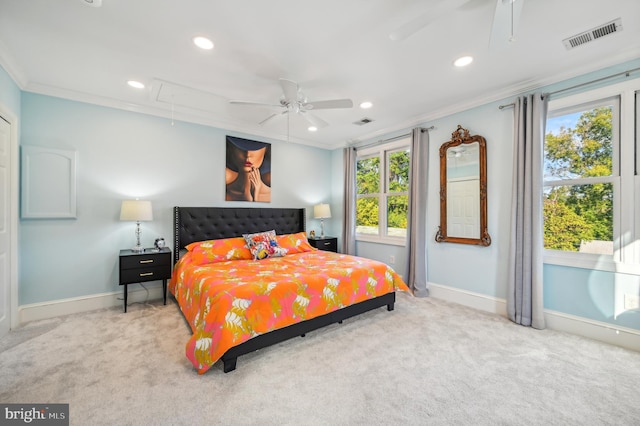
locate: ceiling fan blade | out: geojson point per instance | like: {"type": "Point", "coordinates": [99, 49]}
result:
{"type": "Point", "coordinates": [254, 103]}
{"type": "Point", "coordinates": [290, 90]}
{"type": "Point", "coordinates": [271, 116]}
{"type": "Point", "coordinates": [313, 119]}
{"type": "Point", "coordinates": [410, 28]}
{"type": "Point", "coordinates": [504, 26]}
{"type": "Point", "coordinates": [421, 21]}
{"type": "Point", "coordinates": [328, 104]}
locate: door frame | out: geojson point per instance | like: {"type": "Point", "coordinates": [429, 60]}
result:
{"type": "Point", "coordinates": [9, 116]}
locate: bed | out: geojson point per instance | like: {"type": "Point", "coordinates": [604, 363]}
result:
{"type": "Point", "coordinates": [238, 306]}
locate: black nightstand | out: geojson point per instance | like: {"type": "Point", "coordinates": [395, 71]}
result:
{"type": "Point", "coordinates": [139, 267]}
{"type": "Point", "coordinates": [326, 243]}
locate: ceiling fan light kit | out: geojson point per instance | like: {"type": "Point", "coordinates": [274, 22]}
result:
{"type": "Point", "coordinates": [294, 101]}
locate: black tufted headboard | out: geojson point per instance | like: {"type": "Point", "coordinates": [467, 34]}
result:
{"type": "Point", "coordinates": [210, 223]}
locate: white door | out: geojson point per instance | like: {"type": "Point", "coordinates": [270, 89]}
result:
{"type": "Point", "coordinates": [5, 224]}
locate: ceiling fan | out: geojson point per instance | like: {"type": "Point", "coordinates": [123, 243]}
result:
{"type": "Point", "coordinates": [294, 101]}
{"type": "Point", "coordinates": [505, 19]}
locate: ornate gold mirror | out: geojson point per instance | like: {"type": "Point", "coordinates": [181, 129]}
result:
{"type": "Point", "coordinates": [463, 190]}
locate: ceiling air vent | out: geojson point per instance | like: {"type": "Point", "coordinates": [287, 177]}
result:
{"type": "Point", "coordinates": [363, 121]}
{"type": "Point", "coordinates": [593, 34]}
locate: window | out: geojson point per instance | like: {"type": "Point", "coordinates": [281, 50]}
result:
{"type": "Point", "coordinates": [382, 192]}
{"type": "Point", "coordinates": [579, 178]}
{"type": "Point", "coordinates": [589, 179]}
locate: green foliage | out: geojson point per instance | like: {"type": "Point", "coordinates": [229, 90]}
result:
{"type": "Point", "coordinates": [399, 171]}
{"type": "Point", "coordinates": [579, 212]}
{"type": "Point", "coordinates": [368, 175]}
{"type": "Point", "coordinates": [368, 183]}
{"type": "Point", "coordinates": [564, 229]}
{"type": "Point", "coordinates": [397, 211]}
{"type": "Point", "coordinates": [367, 211]}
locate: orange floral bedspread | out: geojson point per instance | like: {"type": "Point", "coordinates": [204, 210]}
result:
{"type": "Point", "coordinates": [227, 303]}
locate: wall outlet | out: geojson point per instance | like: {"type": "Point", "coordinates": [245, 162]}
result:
{"type": "Point", "coordinates": [631, 301]}
{"type": "Point", "coordinates": [392, 260]}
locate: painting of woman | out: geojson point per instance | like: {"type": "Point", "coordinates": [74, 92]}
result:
{"type": "Point", "coordinates": [248, 171]}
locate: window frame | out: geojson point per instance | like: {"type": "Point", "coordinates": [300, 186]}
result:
{"type": "Point", "coordinates": [382, 151]}
{"type": "Point", "coordinates": [626, 184]}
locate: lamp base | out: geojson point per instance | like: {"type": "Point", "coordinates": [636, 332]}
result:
{"type": "Point", "coordinates": [137, 249]}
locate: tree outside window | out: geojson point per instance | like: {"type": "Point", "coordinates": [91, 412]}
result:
{"type": "Point", "coordinates": [580, 176]}
{"type": "Point", "coordinates": [382, 180]}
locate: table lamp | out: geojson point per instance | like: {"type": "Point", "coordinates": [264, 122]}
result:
{"type": "Point", "coordinates": [321, 211]}
{"type": "Point", "coordinates": [136, 210]}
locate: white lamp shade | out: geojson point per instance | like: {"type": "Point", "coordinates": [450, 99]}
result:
{"type": "Point", "coordinates": [136, 210]}
{"type": "Point", "coordinates": [321, 211]}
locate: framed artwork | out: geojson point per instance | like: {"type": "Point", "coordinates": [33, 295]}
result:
{"type": "Point", "coordinates": [248, 170]}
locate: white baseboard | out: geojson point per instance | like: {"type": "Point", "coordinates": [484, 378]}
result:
{"type": "Point", "coordinates": [469, 298]}
{"type": "Point", "coordinates": [597, 330]}
{"type": "Point", "coordinates": [56, 308]}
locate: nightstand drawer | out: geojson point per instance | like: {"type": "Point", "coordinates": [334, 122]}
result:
{"type": "Point", "coordinates": [145, 260]}
{"type": "Point", "coordinates": [145, 273]}
{"type": "Point", "coordinates": [326, 244]}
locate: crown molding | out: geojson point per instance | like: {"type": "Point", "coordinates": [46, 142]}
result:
{"type": "Point", "coordinates": [499, 97]}
{"type": "Point", "coordinates": [10, 65]}
{"type": "Point", "coordinates": [179, 114]}
{"type": "Point", "coordinates": [198, 117]}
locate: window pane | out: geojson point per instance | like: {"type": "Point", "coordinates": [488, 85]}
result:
{"type": "Point", "coordinates": [397, 207]}
{"type": "Point", "coordinates": [367, 216]}
{"type": "Point", "coordinates": [579, 145]}
{"type": "Point", "coordinates": [398, 171]}
{"type": "Point", "coordinates": [368, 175]}
{"type": "Point", "coordinates": [579, 218]}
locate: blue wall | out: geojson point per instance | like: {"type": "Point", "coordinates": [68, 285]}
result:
{"type": "Point", "coordinates": [592, 294]}
{"type": "Point", "coordinates": [122, 155]}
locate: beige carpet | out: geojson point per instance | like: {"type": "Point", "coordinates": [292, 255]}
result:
{"type": "Point", "coordinates": [427, 362]}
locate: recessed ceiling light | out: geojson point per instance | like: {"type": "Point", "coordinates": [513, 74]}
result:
{"type": "Point", "coordinates": [312, 128]}
{"type": "Point", "coordinates": [203, 43]}
{"type": "Point", "coordinates": [135, 84]}
{"type": "Point", "coordinates": [463, 61]}
{"type": "Point", "coordinates": [366, 105]}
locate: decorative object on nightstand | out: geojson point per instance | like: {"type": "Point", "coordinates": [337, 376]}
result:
{"type": "Point", "coordinates": [159, 244]}
{"type": "Point", "coordinates": [321, 211]}
{"type": "Point", "coordinates": [136, 210]}
{"type": "Point", "coordinates": [326, 243]}
{"type": "Point", "coordinates": [139, 267]}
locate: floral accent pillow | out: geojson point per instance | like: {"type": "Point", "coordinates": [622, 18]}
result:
{"type": "Point", "coordinates": [264, 245]}
{"type": "Point", "coordinates": [295, 243]}
{"type": "Point", "coordinates": [213, 251]}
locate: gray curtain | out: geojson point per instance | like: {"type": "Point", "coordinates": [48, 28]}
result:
{"type": "Point", "coordinates": [524, 299]}
{"type": "Point", "coordinates": [349, 210]}
{"type": "Point", "coordinates": [417, 215]}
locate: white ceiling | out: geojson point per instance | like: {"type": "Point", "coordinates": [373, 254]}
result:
{"type": "Point", "coordinates": [331, 48]}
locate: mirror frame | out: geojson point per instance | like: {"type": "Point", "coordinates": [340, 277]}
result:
{"type": "Point", "coordinates": [461, 137]}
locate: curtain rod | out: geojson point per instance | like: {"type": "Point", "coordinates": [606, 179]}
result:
{"type": "Point", "coordinates": [380, 142]}
{"type": "Point", "coordinates": [625, 73]}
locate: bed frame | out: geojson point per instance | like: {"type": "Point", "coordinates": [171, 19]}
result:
{"type": "Point", "coordinates": [208, 223]}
